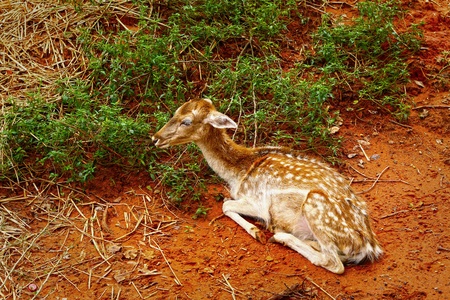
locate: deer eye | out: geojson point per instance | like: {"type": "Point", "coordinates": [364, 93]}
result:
{"type": "Point", "coordinates": [186, 122]}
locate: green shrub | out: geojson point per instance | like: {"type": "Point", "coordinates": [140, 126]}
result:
{"type": "Point", "coordinates": [136, 80]}
{"type": "Point", "coordinates": [369, 54]}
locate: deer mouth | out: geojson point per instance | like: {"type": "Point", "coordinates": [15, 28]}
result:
{"type": "Point", "coordinates": [160, 144]}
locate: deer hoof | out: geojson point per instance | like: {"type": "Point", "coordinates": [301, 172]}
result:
{"type": "Point", "coordinates": [260, 237]}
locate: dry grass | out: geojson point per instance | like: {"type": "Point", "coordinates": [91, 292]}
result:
{"type": "Point", "coordinates": [47, 239]}
{"type": "Point", "coordinates": [39, 47]}
{"type": "Point", "coordinates": [38, 44]}
{"type": "Point", "coordinates": [40, 231]}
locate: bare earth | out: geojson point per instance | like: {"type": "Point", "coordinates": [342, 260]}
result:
{"type": "Point", "coordinates": [125, 242]}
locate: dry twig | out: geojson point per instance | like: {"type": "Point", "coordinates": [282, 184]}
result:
{"type": "Point", "coordinates": [177, 281]}
{"type": "Point", "coordinates": [375, 182]}
{"type": "Point", "coordinates": [233, 291]}
{"type": "Point", "coordinates": [431, 106]}
{"type": "Point", "coordinates": [319, 287]}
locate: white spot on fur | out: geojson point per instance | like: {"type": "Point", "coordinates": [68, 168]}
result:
{"type": "Point", "coordinates": [338, 209]}
{"type": "Point", "coordinates": [319, 207]}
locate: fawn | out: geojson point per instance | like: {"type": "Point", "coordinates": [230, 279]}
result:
{"type": "Point", "coordinates": [306, 204]}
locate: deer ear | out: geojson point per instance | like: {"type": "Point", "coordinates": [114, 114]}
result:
{"type": "Point", "coordinates": [219, 120]}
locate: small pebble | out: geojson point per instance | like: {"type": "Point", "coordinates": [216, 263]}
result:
{"type": "Point", "coordinates": [375, 157]}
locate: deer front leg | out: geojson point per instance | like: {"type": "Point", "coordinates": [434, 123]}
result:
{"type": "Point", "coordinates": [235, 208]}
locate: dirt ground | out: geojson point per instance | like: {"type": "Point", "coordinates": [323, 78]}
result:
{"type": "Point", "coordinates": [116, 239]}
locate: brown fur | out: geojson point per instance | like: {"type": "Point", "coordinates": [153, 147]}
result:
{"type": "Point", "coordinates": [309, 206]}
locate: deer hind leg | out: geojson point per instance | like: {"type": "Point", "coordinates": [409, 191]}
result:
{"type": "Point", "coordinates": [235, 208]}
{"type": "Point", "coordinates": [327, 259]}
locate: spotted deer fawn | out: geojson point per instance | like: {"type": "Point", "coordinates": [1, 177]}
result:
{"type": "Point", "coordinates": [306, 204]}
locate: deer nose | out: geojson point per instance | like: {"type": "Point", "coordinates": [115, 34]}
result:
{"type": "Point", "coordinates": [155, 139]}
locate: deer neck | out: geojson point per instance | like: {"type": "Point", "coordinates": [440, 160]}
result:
{"type": "Point", "coordinates": [229, 160]}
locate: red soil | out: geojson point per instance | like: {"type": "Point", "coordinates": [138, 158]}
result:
{"type": "Point", "coordinates": [409, 205]}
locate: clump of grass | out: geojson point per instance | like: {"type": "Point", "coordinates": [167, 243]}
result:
{"type": "Point", "coordinates": [442, 75]}
{"type": "Point", "coordinates": [369, 56]}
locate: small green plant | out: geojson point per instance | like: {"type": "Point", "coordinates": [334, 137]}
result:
{"type": "Point", "coordinates": [442, 76]}
{"type": "Point", "coordinates": [179, 182]}
{"type": "Point", "coordinates": [200, 212]}
{"type": "Point", "coordinates": [219, 197]}
{"type": "Point", "coordinates": [189, 229]}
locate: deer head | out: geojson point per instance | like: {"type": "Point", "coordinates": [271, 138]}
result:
{"type": "Point", "coordinates": [191, 123]}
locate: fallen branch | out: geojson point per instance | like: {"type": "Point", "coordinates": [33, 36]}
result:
{"type": "Point", "coordinates": [282, 274]}
{"type": "Point", "coordinates": [381, 180]}
{"type": "Point", "coordinates": [375, 182]}
{"type": "Point", "coordinates": [364, 152]}
{"type": "Point", "coordinates": [233, 291]}
{"type": "Point", "coordinates": [177, 281]}
{"type": "Point", "coordinates": [215, 219]}
{"type": "Point", "coordinates": [135, 227]}
{"type": "Point", "coordinates": [319, 287]}
{"type": "Point", "coordinates": [104, 223]}
{"type": "Point", "coordinates": [406, 210]}
{"type": "Point", "coordinates": [393, 214]}
{"type": "Point", "coordinates": [289, 292]}
{"type": "Point", "coordinates": [362, 174]}
{"type": "Point", "coordinates": [431, 106]}
{"type": "Point", "coordinates": [400, 124]}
